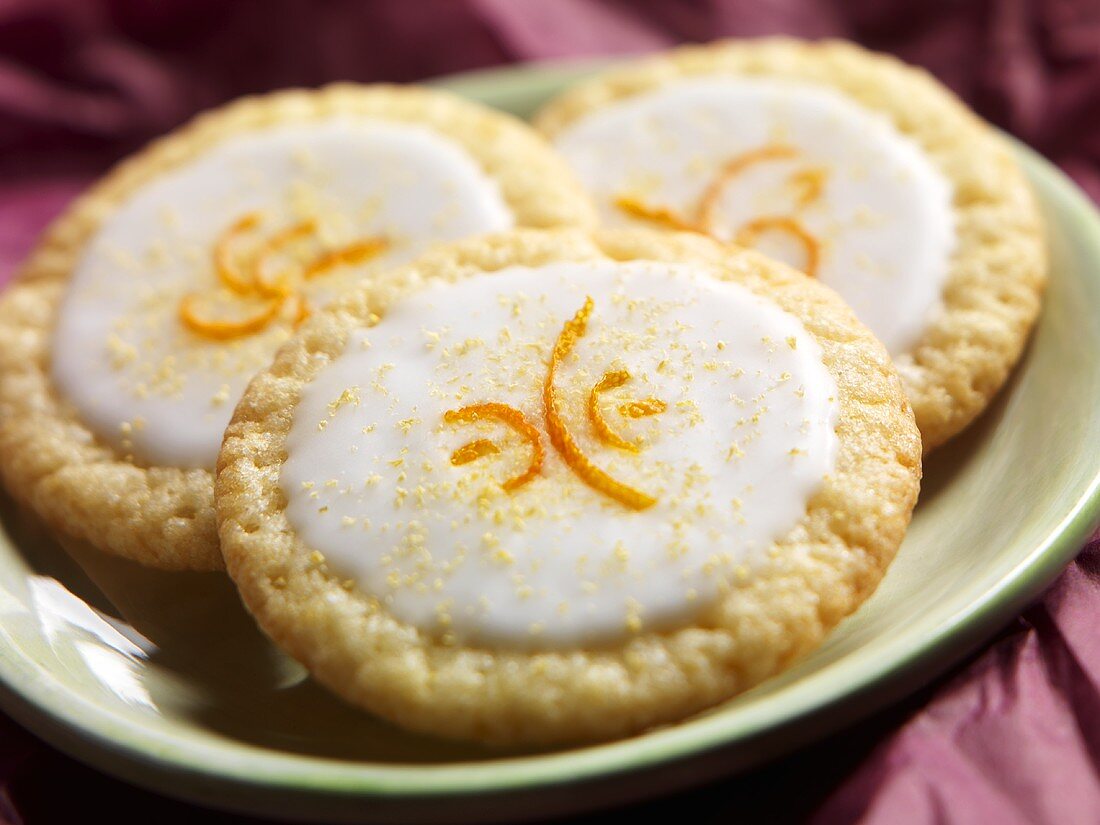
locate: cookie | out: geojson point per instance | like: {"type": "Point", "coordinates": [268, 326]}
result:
{"type": "Point", "coordinates": [136, 323]}
{"type": "Point", "coordinates": [862, 171]}
{"type": "Point", "coordinates": [555, 486]}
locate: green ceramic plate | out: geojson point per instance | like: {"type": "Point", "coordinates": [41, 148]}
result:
{"type": "Point", "coordinates": [163, 680]}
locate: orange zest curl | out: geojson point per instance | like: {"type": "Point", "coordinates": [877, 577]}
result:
{"type": "Point", "coordinates": [251, 278]}
{"type": "Point", "coordinates": [708, 201]}
{"type": "Point", "coordinates": [560, 436]}
{"type": "Point", "coordinates": [353, 253]}
{"type": "Point", "coordinates": [506, 415]}
{"type": "Point", "coordinates": [224, 263]}
{"type": "Point", "coordinates": [748, 234]}
{"type": "Point", "coordinates": [613, 379]}
{"type": "Point", "coordinates": [668, 218]}
{"type": "Point", "coordinates": [643, 408]}
{"type": "Point", "coordinates": [301, 231]}
{"type": "Point", "coordinates": [222, 330]}
{"type": "Point", "coordinates": [809, 184]}
{"type": "Point", "coordinates": [304, 310]}
{"type": "Point", "coordinates": [474, 450]}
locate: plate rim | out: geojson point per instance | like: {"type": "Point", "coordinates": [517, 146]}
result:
{"type": "Point", "coordinates": [158, 759]}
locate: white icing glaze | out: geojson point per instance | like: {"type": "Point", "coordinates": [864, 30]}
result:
{"type": "Point", "coordinates": [884, 218]}
{"type": "Point", "coordinates": [746, 439]}
{"type": "Point", "coordinates": [154, 389]}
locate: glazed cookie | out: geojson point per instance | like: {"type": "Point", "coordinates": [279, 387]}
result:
{"type": "Point", "coordinates": [856, 168]}
{"type": "Point", "coordinates": [554, 486]}
{"type": "Point", "coordinates": [136, 323]}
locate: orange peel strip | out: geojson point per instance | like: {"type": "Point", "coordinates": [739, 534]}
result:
{"type": "Point", "coordinates": [748, 234]}
{"type": "Point", "coordinates": [708, 201]}
{"type": "Point", "coordinates": [809, 183]}
{"type": "Point", "coordinates": [224, 264]}
{"type": "Point", "coordinates": [613, 379]}
{"type": "Point", "coordinates": [640, 409]}
{"type": "Point", "coordinates": [277, 243]}
{"type": "Point", "coordinates": [474, 450]}
{"type": "Point", "coordinates": [667, 217]}
{"type": "Point", "coordinates": [303, 311]}
{"type": "Point", "coordinates": [220, 330]}
{"type": "Point", "coordinates": [514, 419]}
{"type": "Point", "coordinates": [353, 253]}
{"type": "Point", "coordinates": [560, 436]}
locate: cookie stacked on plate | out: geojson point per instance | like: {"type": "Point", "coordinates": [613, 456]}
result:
{"type": "Point", "coordinates": [498, 474]}
{"type": "Point", "coordinates": [140, 318]}
{"type": "Point", "coordinates": [863, 172]}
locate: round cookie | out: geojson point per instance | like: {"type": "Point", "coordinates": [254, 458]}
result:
{"type": "Point", "coordinates": [857, 168]}
{"type": "Point", "coordinates": [560, 486]}
{"type": "Point", "coordinates": [136, 323]}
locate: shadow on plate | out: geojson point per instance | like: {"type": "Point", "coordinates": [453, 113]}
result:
{"type": "Point", "coordinates": [205, 661]}
{"type": "Point", "coordinates": [944, 464]}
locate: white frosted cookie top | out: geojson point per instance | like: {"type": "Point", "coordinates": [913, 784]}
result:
{"type": "Point", "coordinates": [154, 348]}
{"type": "Point", "coordinates": [800, 172]}
{"type": "Point", "coordinates": [685, 426]}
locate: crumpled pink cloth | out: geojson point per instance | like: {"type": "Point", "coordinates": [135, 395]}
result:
{"type": "Point", "coordinates": [1013, 736]}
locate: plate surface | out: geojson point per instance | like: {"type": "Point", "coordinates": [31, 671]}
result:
{"type": "Point", "coordinates": [163, 679]}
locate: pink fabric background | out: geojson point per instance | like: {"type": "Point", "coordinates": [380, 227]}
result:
{"type": "Point", "coordinates": [1012, 736]}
